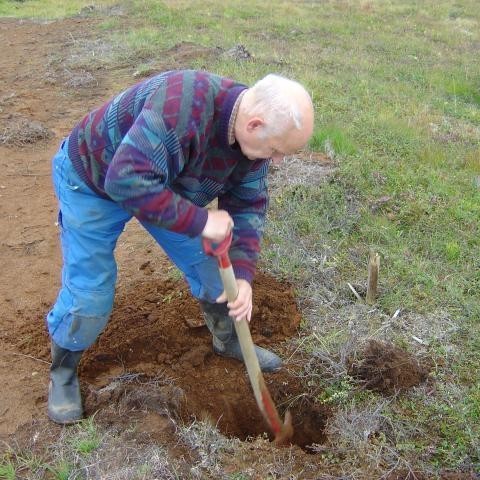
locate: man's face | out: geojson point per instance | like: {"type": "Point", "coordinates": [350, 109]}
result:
{"type": "Point", "coordinates": [254, 147]}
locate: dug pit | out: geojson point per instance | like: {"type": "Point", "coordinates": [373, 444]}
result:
{"type": "Point", "coordinates": [156, 333]}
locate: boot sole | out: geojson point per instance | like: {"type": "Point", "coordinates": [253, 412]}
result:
{"type": "Point", "coordinates": [64, 421]}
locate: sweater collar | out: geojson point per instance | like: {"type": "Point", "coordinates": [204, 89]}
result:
{"type": "Point", "coordinates": [226, 113]}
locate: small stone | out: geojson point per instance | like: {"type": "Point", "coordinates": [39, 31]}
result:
{"type": "Point", "coordinates": [238, 52]}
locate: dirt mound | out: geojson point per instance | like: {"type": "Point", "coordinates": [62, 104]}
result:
{"type": "Point", "coordinates": [150, 358]}
{"type": "Point", "coordinates": [150, 326]}
{"type": "Point", "coordinates": [385, 368]}
{"type": "Point", "coordinates": [150, 334]}
{"type": "Point", "coordinates": [181, 55]}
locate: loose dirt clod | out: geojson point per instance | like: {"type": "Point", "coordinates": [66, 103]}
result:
{"type": "Point", "coordinates": [385, 368]}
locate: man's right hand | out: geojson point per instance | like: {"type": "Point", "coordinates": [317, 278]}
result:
{"type": "Point", "coordinates": [218, 226]}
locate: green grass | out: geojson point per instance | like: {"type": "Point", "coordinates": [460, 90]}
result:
{"type": "Point", "coordinates": [396, 87]}
{"type": "Point", "coordinates": [7, 468]}
{"type": "Point", "coordinates": [46, 9]}
{"type": "Point", "coordinates": [62, 470]}
{"type": "Point", "coordinates": [332, 139]}
{"type": "Point", "coordinates": [450, 418]}
{"type": "Point", "coordinates": [76, 448]}
{"type": "Point", "coordinates": [86, 437]}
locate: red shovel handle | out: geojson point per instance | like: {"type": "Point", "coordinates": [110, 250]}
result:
{"type": "Point", "coordinates": [219, 250]}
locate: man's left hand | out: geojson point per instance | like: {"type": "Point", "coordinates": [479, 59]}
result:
{"type": "Point", "coordinates": [242, 306]}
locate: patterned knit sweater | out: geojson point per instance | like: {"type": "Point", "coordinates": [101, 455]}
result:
{"type": "Point", "coordinates": [160, 149]}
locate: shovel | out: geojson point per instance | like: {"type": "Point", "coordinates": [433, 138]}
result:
{"type": "Point", "coordinates": [282, 431]}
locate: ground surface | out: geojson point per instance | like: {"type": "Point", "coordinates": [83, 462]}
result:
{"type": "Point", "coordinates": [149, 332]}
{"type": "Point", "coordinates": [150, 335]}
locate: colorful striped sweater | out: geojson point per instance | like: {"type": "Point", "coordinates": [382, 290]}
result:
{"type": "Point", "coordinates": [160, 149]}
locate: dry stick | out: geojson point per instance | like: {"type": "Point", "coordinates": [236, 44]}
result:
{"type": "Point", "coordinates": [373, 267]}
{"type": "Point", "coordinates": [30, 356]}
{"type": "Point", "coordinates": [359, 298]}
{"type": "Point", "coordinates": [27, 174]}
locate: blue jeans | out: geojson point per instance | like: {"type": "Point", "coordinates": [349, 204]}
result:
{"type": "Point", "coordinates": [89, 230]}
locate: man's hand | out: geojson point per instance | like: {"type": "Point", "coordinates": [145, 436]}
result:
{"type": "Point", "coordinates": [218, 226]}
{"type": "Point", "coordinates": [242, 306]}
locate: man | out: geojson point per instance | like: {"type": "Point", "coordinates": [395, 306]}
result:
{"type": "Point", "coordinates": [161, 151]}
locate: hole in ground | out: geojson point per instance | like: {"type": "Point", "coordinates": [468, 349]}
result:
{"type": "Point", "coordinates": [156, 331]}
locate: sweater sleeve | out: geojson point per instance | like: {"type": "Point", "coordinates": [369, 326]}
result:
{"type": "Point", "coordinates": [145, 163]}
{"type": "Point", "coordinates": [247, 203]}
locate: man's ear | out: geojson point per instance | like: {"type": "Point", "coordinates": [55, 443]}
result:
{"type": "Point", "coordinates": [255, 123]}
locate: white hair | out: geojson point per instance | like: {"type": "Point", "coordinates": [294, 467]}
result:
{"type": "Point", "coordinates": [276, 99]}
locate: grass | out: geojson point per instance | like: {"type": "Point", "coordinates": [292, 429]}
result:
{"type": "Point", "coordinates": [47, 10]}
{"type": "Point", "coordinates": [25, 464]}
{"type": "Point", "coordinates": [397, 94]}
{"type": "Point", "coordinates": [333, 141]}
{"type": "Point", "coordinates": [89, 450]}
{"type": "Point", "coordinates": [86, 438]}
{"type": "Point", "coordinates": [7, 468]}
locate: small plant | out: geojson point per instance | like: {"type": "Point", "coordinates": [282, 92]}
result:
{"type": "Point", "coordinates": [337, 392]}
{"type": "Point", "coordinates": [86, 437]}
{"type": "Point", "coordinates": [144, 471]}
{"type": "Point", "coordinates": [7, 468]}
{"type": "Point", "coordinates": [452, 251]}
{"type": "Point", "coordinates": [62, 470]}
{"type": "Point", "coordinates": [238, 476]}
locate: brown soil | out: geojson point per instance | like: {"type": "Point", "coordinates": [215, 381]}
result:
{"type": "Point", "coordinates": [150, 336]}
{"type": "Point", "coordinates": [385, 368]}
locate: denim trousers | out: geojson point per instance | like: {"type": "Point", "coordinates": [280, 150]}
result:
{"type": "Point", "coordinates": [89, 229]}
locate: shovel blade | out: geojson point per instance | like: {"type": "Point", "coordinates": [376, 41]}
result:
{"type": "Point", "coordinates": [285, 435]}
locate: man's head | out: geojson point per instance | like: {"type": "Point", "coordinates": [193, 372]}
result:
{"type": "Point", "coordinates": [275, 119]}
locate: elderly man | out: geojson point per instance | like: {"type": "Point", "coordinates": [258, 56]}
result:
{"type": "Point", "coordinates": [161, 151]}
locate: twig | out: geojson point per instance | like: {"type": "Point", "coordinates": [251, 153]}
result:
{"type": "Point", "coordinates": [355, 292]}
{"type": "Point", "coordinates": [30, 356]}
{"type": "Point", "coordinates": [396, 314]}
{"type": "Point", "coordinates": [419, 340]}
{"type": "Point", "coordinates": [295, 351]}
{"type": "Point", "coordinates": [27, 174]}
{"type": "Point", "coordinates": [44, 225]}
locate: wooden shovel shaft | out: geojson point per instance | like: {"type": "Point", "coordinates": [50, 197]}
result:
{"type": "Point", "coordinates": [260, 390]}
{"type": "Point", "coordinates": [283, 431]}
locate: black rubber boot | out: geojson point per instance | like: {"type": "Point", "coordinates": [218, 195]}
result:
{"type": "Point", "coordinates": [225, 341]}
{"type": "Point", "coordinates": [64, 397]}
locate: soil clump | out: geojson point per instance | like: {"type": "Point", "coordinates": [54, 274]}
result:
{"type": "Point", "coordinates": [386, 368]}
